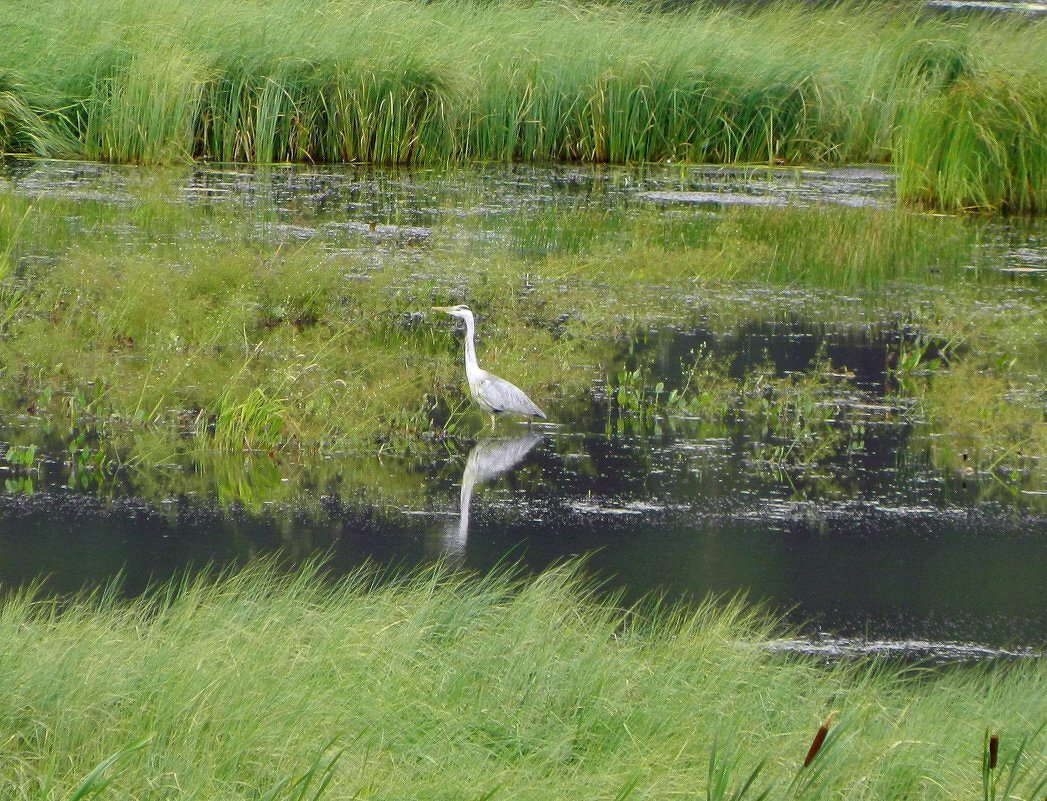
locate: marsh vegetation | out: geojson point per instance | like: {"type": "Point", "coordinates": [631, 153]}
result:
{"type": "Point", "coordinates": [955, 103]}
{"type": "Point", "coordinates": [203, 363]}
{"type": "Point", "coordinates": [203, 344]}
{"type": "Point", "coordinates": [153, 330]}
{"type": "Point", "coordinates": [792, 381]}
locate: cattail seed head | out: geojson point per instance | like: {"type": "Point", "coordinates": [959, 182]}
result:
{"type": "Point", "coordinates": [819, 739]}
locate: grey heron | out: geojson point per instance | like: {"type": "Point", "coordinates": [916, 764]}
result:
{"type": "Point", "coordinates": [492, 394]}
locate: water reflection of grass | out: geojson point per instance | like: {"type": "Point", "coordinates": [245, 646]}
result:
{"type": "Point", "coordinates": [437, 686]}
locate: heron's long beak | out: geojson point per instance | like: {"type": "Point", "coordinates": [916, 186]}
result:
{"type": "Point", "coordinates": [444, 309]}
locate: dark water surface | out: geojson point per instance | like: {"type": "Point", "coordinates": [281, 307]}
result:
{"type": "Point", "coordinates": [901, 554]}
{"type": "Point", "coordinates": [877, 547]}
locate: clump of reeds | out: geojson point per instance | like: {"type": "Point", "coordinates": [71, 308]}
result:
{"type": "Point", "coordinates": [401, 82]}
{"type": "Point", "coordinates": [26, 127]}
{"type": "Point", "coordinates": [980, 145]}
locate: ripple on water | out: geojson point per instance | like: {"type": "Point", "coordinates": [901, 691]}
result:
{"type": "Point", "coordinates": [922, 651]}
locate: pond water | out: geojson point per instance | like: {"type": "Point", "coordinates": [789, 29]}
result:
{"type": "Point", "coordinates": [876, 546]}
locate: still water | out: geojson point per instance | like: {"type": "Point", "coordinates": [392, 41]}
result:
{"type": "Point", "coordinates": [878, 548]}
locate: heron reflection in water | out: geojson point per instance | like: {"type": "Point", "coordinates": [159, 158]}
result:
{"type": "Point", "coordinates": [488, 459]}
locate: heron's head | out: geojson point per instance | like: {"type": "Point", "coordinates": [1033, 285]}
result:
{"type": "Point", "coordinates": [461, 311]}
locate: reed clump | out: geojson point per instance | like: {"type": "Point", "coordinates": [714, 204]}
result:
{"type": "Point", "coordinates": [407, 83]}
{"type": "Point", "coordinates": [23, 128]}
{"type": "Point", "coordinates": [981, 145]}
{"type": "Point", "coordinates": [439, 685]}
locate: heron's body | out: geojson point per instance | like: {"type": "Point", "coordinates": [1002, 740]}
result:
{"type": "Point", "coordinates": [492, 394]}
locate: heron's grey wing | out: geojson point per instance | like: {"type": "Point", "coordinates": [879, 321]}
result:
{"type": "Point", "coordinates": [502, 396]}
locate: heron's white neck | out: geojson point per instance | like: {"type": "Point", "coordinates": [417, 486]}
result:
{"type": "Point", "coordinates": [471, 367]}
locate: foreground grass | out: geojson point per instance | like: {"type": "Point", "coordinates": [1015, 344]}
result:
{"type": "Point", "coordinates": [454, 688]}
{"type": "Point", "coordinates": [957, 104]}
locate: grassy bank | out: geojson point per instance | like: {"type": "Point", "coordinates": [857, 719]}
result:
{"type": "Point", "coordinates": [958, 104]}
{"type": "Point", "coordinates": [289, 688]}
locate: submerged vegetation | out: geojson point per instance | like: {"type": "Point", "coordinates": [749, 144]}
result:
{"type": "Point", "coordinates": [435, 685]}
{"type": "Point", "coordinates": [957, 104]}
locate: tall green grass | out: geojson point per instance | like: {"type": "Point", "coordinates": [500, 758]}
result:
{"type": "Point", "coordinates": [263, 685]}
{"type": "Point", "coordinates": [980, 145]}
{"type": "Point", "coordinates": [28, 127]}
{"type": "Point", "coordinates": [403, 82]}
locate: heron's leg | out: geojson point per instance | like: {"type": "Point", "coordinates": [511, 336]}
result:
{"type": "Point", "coordinates": [492, 420]}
